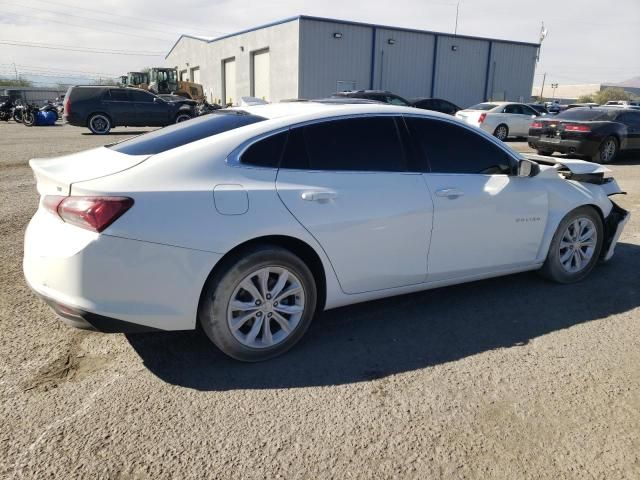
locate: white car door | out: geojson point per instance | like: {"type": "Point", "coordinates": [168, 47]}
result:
{"type": "Point", "coordinates": [514, 119]}
{"type": "Point", "coordinates": [347, 183]}
{"type": "Point", "coordinates": [485, 218]}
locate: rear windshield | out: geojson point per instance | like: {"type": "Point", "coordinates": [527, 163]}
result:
{"type": "Point", "coordinates": [180, 134]}
{"type": "Point", "coordinates": [483, 106]}
{"type": "Point", "coordinates": [593, 114]}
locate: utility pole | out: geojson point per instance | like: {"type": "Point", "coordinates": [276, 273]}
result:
{"type": "Point", "coordinates": [544, 77]}
{"type": "Point", "coordinates": [455, 31]}
{"type": "Point", "coordinates": [15, 70]}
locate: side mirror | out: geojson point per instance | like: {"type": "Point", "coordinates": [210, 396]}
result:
{"type": "Point", "coordinates": [527, 168]}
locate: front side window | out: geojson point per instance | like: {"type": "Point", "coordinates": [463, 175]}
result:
{"type": "Point", "coordinates": [140, 96]}
{"type": "Point", "coordinates": [356, 144]}
{"type": "Point", "coordinates": [450, 148]}
{"type": "Point", "coordinates": [631, 119]}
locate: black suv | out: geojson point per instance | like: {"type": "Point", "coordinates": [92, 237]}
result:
{"type": "Point", "coordinates": [425, 103]}
{"type": "Point", "coordinates": [101, 108]}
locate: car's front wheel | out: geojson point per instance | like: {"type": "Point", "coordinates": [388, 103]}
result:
{"type": "Point", "coordinates": [182, 117]}
{"type": "Point", "coordinates": [259, 305]}
{"type": "Point", "coordinates": [99, 124]}
{"type": "Point", "coordinates": [575, 247]}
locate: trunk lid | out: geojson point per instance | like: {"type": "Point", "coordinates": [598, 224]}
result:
{"type": "Point", "coordinates": [56, 175]}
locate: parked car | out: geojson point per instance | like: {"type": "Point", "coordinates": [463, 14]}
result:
{"type": "Point", "coordinates": [436, 105]}
{"type": "Point", "coordinates": [248, 221]}
{"type": "Point", "coordinates": [598, 133]}
{"type": "Point", "coordinates": [501, 119]}
{"type": "Point", "coordinates": [622, 103]}
{"type": "Point", "coordinates": [376, 95]}
{"type": "Point", "coordinates": [578, 105]}
{"type": "Point", "coordinates": [101, 108]}
{"type": "Point", "coordinates": [539, 107]}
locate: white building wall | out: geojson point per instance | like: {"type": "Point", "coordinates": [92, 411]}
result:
{"type": "Point", "coordinates": [281, 40]}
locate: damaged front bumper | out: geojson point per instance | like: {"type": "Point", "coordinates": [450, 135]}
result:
{"type": "Point", "coordinates": [613, 226]}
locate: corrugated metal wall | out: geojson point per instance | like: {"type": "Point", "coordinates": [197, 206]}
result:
{"type": "Point", "coordinates": [461, 73]}
{"type": "Point", "coordinates": [511, 71]}
{"type": "Point", "coordinates": [325, 60]}
{"type": "Point", "coordinates": [403, 62]}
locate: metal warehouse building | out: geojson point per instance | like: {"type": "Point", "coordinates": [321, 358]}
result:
{"type": "Point", "coordinates": [311, 57]}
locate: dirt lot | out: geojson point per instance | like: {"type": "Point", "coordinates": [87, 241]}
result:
{"type": "Point", "coordinates": [510, 378]}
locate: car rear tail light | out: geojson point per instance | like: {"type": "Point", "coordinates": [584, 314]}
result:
{"type": "Point", "coordinates": [67, 105]}
{"type": "Point", "coordinates": [577, 128]}
{"type": "Point", "coordinates": [91, 213]}
{"type": "Point", "coordinates": [537, 125]}
{"type": "Point", "coordinates": [482, 117]}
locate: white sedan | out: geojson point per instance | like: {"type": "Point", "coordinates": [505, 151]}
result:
{"type": "Point", "coordinates": [249, 221]}
{"type": "Point", "coordinates": [500, 119]}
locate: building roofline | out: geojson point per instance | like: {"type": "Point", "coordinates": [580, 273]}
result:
{"type": "Point", "coordinates": [350, 22]}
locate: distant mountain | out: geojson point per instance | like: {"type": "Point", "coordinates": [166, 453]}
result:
{"type": "Point", "coordinates": [632, 82]}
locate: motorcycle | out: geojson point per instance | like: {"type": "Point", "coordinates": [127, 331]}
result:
{"type": "Point", "coordinates": [205, 107]}
{"type": "Point", "coordinates": [6, 108]}
{"type": "Point", "coordinates": [29, 114]}
{"type": "Point", "coordinates": [18, 110]}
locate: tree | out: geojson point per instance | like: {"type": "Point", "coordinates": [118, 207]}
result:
{"type": "Point", "coordinates": [585, 99]}
{"type": "Point", "coordinates": [608, 94]}
{"type": "Point", "coordinates": [9, 82]}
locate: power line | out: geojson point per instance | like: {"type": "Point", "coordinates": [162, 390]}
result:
{"type": "Point", "coordinates": [63, 70]}
{"type": "Point", "coordinates": [78, 49]}
{"type": "Point", "coordinates": [85, 26]}
{"type": "Point", "coordinates": [67, 14]}
{"type": "Point", "coordinates": [146, 20]}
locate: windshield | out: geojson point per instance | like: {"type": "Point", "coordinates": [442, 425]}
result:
{"type": "Point", "coordinates": [483, 106]}
{"type": "Point", "coordinates": [185, 132]}
{"type": "Point", "coordinates": [588, 114]}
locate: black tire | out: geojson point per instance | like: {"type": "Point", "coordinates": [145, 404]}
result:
{"type": "Point", "coordinates": [17, 117]}
{"type": "Point", "coordinates": [501, 132]}
{"type": "Point", "coordinates": [546, 153]}
{"type": "Point", "coordinates": [219, 290]}
{"type": "Point", "coordinates": [28, 119]}
{"type": "Point", "coordinates": [182, 117]}
{"type": "Point", "coordinates": [607, 151]}
{"type": "Point", "coordinates": [553, 268]}
{"type": "Point", "coordinates": [99, 124]}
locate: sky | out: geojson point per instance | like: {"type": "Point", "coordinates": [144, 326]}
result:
{"type": "Point", "coordinates": [588, 41]}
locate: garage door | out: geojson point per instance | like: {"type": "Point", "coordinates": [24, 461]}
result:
{"type": "Point", "coordinates": [229, 74]}
{"type": "Point", "coordinates": [195, 74]}
{"type": "Point", "coordinates": [260, 81]}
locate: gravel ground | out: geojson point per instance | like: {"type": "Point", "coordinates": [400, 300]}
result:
{"type": "Point", "coordinates": [512, 378]}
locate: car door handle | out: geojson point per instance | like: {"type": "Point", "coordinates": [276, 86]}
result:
{"type": "Point", "coordinates": [449, 193]}
{"type": "Point", "coordinates": [319, 196]}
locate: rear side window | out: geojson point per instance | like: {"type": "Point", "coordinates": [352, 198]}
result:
{"type": "Point", "coordinates": [185, 132]}
{"type": "Point", "coordinates": [450, 148]}
{"type": "Point", "coordinates": [356, 144]}
{"type": "Point", "coordinates": [483, 106]}
{"type": "Point", "coordinates": [117, 96]}
{"type": "Point", "coordinates": [587, 114]}
{"type": "Point", "coordinates": [266, 152]}
{"type": "Point", "coordinates": [139, 96]}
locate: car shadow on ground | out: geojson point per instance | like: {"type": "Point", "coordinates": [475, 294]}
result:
{"type": "Point", "coordinates": [120, 132]}
{"type": "Point", "coordinates": [400, 334]}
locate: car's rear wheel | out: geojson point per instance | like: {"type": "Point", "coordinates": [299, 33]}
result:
{"type": "Point", "coordinates": [607, 151]}
{"type": "Point", "coordinates": [501, 132]}
{"type": "Point", "coordinates": [258, 306]}
{"type": "Point", "coordinates": [99, 124]}
{"type": "Point", "coordinates": [575, 247]}
{"type": "Point", "coordinates": [182, 117]}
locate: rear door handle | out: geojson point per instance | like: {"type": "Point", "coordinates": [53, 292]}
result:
{"type": "Point", "coordinates": [449, 193]}
{"type": "Point", "coordinates": [319, 196]}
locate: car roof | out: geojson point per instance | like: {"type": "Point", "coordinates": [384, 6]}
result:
{"type": "Point", "coordinates": [311, 110]}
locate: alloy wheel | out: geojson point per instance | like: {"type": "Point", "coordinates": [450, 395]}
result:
{"type": "Point", "coordinates": [608, 150]}
{"type": "Point", "coordinates": [578, 245]}
{"type": "Point", "coordinates": [266, 307]}
{"type": "Point", "coordinates": [501, 132]}
{"type": "Point", "coordinates": [99, 124]}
